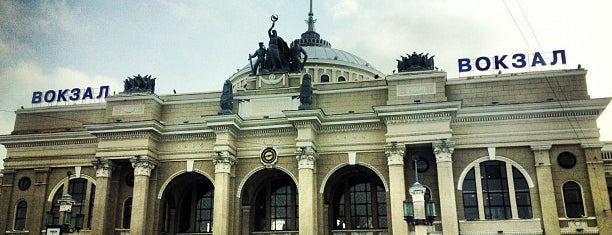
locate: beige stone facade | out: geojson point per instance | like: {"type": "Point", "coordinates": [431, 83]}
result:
{"type": "Point", "coordinates": [505, 154]}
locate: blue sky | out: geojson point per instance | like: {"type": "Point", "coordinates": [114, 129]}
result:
{"type": "Point", "coordinates": [193, 46]}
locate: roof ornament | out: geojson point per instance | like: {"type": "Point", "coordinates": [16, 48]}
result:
{"type": "Point", "coordinates": [415, 62]}
{"type": "Point", "coordinates": [310, 37]}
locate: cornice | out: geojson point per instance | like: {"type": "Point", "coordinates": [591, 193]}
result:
{"type": "Point", "coordinates": [126, 130]}
{"type": "Point", "coordinates": [517, 76]}
{"type": "Point", "coordinates": [574, 108]}
{"type": "Point", "coordinates": [417, 112]}
{"type": "Point", "coordinates": [305, 118]}
{"type": "Point", "coordinates": [47, 139]}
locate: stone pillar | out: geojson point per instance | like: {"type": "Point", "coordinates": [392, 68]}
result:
{"type": "Point", "coordinates": [223, 161]}
{"type": "Point", "coordinates": [546, 190]}
{"type": "Point", "coordinates": [599, 191]}
{"type": "Point", "coordinates": [446, 184]}
{"type": "Point", "coordinates": [142, 171]}
{"type": "Point", "coordinates": [397, 188]}
{"type": "Point", "coordinates": [104, 170]}
{"type": "Point", "coordinates": [417, 192]}
{"type": "Point", "coordinates": [40, 183]}
{"type": "Point", "coordinates": [307, 210]}
{"type": "Point", "coordinates": [6, 197]}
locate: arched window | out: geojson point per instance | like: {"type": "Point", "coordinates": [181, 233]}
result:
{"type": "Point", "coordinates": [276, 206]}
{"type": "Point", "coordinates": [20, 215]}
{"type": "Point", "coordinates": [341, 79]}
{"type": "Point", "coordinates": [127, 212]}
{"type": "Point", "coordinates": [204, 209]}
{"type": "Point", "coordinates": [324, 78]}
{"type": "Point", "coordinates": [359, 202]}
{"type": "Point", "coordinates": [83, 205]}
{"type": "Point", "coordinates": [572, 198]}
{"type": "Point", "coordinates": [495, 190]}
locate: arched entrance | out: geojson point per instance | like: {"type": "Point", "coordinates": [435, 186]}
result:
{"type": "Point", "coordinates": [269, 202]}
{"type": "Point", "coordinates": [187, 205]}
{"type": "Point", "coordinates": [357, 200]}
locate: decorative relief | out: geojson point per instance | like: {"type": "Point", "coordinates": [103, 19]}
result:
{"type": "Point", "coordinates": [142, 165]}
{"type": "Point", "coordinates": [224, 161]}
{"type": "Point", "coordinates": [104, 168]}
{"type": "Point", "coordinates": [123, 110]}
{"type": "Point", "coordinates": [488, 118]}
{"type": "Point", "coordinates": [419, 117]}
{"type": "Point", "coordinates": [351, 127]}
{"type": "Point", "coordinates": [444, 150]}
{"type": "Point", "coordinates": [268, 157]}
{"type": "Point", "coordinates": [395, 154]}
{"type": "Point", "coordinates": [416, 89]}
{"type": "Point", "coordinates": [307, 157]}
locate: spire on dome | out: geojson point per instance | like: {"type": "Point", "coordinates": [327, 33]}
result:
{"type": "Point", "coordinates": [310, 37]}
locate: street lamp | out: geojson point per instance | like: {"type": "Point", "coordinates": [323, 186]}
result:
{"type": "Point", "coordinates": [421, 211]}
{"type": "Point", "coordinates": [65, 212]}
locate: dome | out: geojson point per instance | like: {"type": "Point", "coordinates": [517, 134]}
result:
{"type": "Point", "coordinates": [328, 53]}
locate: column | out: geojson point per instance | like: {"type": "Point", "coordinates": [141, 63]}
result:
{"type": "Point", "coordinates": [417, 192]}
{"type": "Point", "coordinates": [307, 210]}
{"type": "Point", "coordinates": [599, 191]}
{"type": "Point", "coordinates": [6, 196]}
{"type": "Point", "coordinates": [546, 190]}
{"type": "Point", "coordinates": [223, 161]}
{"type": "Point", "coordinates": [142, 171]}
{"type": "Point", "coordinates": [397, 188]}
{"type": "Point", "coordinates": [446, 184]}
{"type": "Point", "coordinates": [104, 169]}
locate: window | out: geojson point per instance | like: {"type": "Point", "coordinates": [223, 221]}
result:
{"type": "Point", "coordinates": [20, 215]}
{"type": "Point", "coordinates": [360, 203]}
{"type": "Point", "coordinates": [324, 78]}
{"type": "Point", "coordinates": [127, 212]}
{"type": "Point", "coordinates": [341, 79]}
{"type": "Point", "coordinates": [204, 210]}
{"type": "Point", "coordinates": [572, 197]}
{"type": "Point", "coordinates": [495, 190]}
{"type": "Point", "coordinates": [276, 206]}
{"type": "Point", "coordinates": [83, 205]}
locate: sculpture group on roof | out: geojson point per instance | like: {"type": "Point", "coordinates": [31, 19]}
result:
{"type": "Point", "coordinates": [139, 83]}
{"type": "Point", "coordinates": [415, 62]}
{"type": "Point", "coordinates": [278, 57]}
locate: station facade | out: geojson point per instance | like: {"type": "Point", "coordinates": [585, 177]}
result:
{"type": "Point", "coordinates": [499, 154]}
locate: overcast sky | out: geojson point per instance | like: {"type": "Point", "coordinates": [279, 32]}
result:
{"type": "Point", "coordinates": [193, 46]}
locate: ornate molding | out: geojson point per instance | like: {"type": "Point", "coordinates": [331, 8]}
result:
{"type": "Point", "coordinates": [518, 116]}
{"type": "Point", "coordinates": [337, 128]}
{"type": "Point", "coordinates": [104, 168]}
{"type": "Point", "coordinates": [395, 154]}
{"type": "Point", "coordinates": [307, 157]}
{"type": "Point", "coordinates": [267, 132]}
{"type": "Point", "coordinates": [224, 161]}
{"type": "Point", "coordinates": [38, 143]}
{"type": "Point", "coordinates": [422, 117]}
{"type": "Point", "coordinates": [143, 165]}
{"type": "Point", "coordinates": [444, 150]}
{"type": "Point", "coordinates": [187, 137]}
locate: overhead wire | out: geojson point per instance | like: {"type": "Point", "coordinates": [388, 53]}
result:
{"type": "Point", "coordinates": [549, 75]}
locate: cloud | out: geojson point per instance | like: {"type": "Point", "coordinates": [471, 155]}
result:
{"type": "Point", "coordinates": [344, 8]}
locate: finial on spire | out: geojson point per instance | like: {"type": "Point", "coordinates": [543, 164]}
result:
{"type": "Point", "coordinates": [310, 37]}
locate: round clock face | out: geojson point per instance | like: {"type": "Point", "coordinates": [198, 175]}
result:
{"type": "Point", "coordinates": [566, 160]}
{"type": "Point", "coordinates": [268, 155]}
{"type": "Point", "coordinates": [422, 165]}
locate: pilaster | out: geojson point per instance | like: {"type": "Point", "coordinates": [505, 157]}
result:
{"type": "Point", "coordinates": [6, 197]}
{"type": "Point", "coordinates": [397, 187]}
{"type": "Point", "coordinates": [223, 161]}
{"type": "Point", "coordinates": [307, 159]}
{"type": "Point", "coordinates": [599, 191]}
{"type": "Point", "coordinates": [443, 149]}
{"type": "Point", "coordinates": [143, 166]}
{"type": "Point", "coordinates": [546, 190]}
{"type": "Point", "coordinates": [104, 169]}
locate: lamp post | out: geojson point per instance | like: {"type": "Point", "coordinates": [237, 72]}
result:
{"type": "Point", "coordinates": [419, 213]}
{"type": "Point", "coordinates": [65, 215]}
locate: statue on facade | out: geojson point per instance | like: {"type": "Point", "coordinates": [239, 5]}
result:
{"type": "Point", "coordinates": [260, 53]}
{"type": "Point", "coordinates": [296, 63]}
{"type": "Point", "coordinates": [227, 99]}
{"type": "Point", "coordinates": [139, 84]}
{"type": "Point", "coordinates": [306, 93]}
{"type": "Point", "coordinates": [277, 49]}
{"type": "Point", "coordinates": [415, 62]}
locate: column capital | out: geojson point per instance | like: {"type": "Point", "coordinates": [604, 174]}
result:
{"type": "Point", "coordinates": [104, 168]}
{"type": "Point", "coordinates": [444, 150]}
{"type": "Point", "coordinates": [306, 157]}
{"type": "Point", "coordinates": [224, 161]}
{"type": "Point", "coordinates": [143, 165]}
{"type": "Point", "coordinates": [395, 154]}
